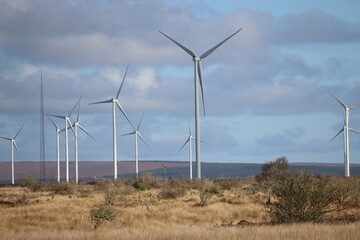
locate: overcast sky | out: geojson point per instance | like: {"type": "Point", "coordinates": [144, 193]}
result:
{"type": "Point", "coordinates": [266, 89]}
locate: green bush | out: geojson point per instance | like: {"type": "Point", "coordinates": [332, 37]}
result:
{"type": "Point", "coordinates": [101, 214]}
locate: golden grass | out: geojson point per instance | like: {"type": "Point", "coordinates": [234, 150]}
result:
{"type": "Point", "coordinates": [290, 232]}
{"type": "Point", "coordinates": [141, 215]}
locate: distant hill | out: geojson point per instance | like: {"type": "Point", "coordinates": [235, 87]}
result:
{"type": "Point", "coordinates": [87, 169]}
{"type": "Point", "coordinates": [100, 169]}
{"type": "Point", "coordinates": [242, 170]}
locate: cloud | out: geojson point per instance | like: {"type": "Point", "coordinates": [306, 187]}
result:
{"type": "Point", "coordinates": [272, 67]}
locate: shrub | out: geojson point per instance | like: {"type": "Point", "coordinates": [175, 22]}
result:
{"type": "Point", "coordinates": [273, 168]}
{"type": "Point", "coordinates": [30, 182]}
{"type": "Point", "coordinates": [302, 197]}
{"type": "Point", "coordinates": [206, 194]}
{"type": "Point", "coordinates": [110, 193]}
{"type": "Point", "coordinates": [168, 192]}
{"type": "Point", "coordinates": [267, 180]}
{"type": "Point", "coordinates": [227, 183]}
{"type": "Point", "coordinates": [62, 188]}
{"type": "Point", "coordinates": [138, 186]}
{"type": "Point", "coordinates": [101, 214]}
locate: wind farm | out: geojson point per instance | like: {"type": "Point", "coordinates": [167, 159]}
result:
{"type": "Point", "coordinates": [103, 119]}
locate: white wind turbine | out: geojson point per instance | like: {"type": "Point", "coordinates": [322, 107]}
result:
{"type": "Point", "coordinates": [115, 102]}
{"type": "Point", "coordinates": [190, 137]}
{"type": "Point", "coordinates": [198, 78]}
{"type": "Point", "coordinates": [346, 130]}
{"type": "Point", "coordinates": [77, 125]}
{"type": "Point", "coordinates": [57, 149]}
{"type": "Point", "coordinates": [13, 144]}
{"type": "Point", "coordinates": [67, 125]}
{"type": "Point", "coordinates": [137, 134]}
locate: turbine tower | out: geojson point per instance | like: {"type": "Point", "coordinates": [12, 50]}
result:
{"type": "Point", "coordinates": [137, 134]}
{"type": "Point", "coordinates": [346, 130]}
{"type": "Point", "coordinates": [57, 149]}
{"type": "Point", "coordinates": [77, 125]}
{"type": "Point", "coordinates": [115, 102]}
{"type": "Point", "coordinates": [13, 144]}
{"type": "Point", "coordinates": [67, 124]}
{"type": "Point", "coordinates": [190, 137]}
{"type": "Point", "coordinates": [198, 78]}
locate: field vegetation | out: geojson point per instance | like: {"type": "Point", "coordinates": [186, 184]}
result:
{"type": "Point", "coordinates": [278, 204]}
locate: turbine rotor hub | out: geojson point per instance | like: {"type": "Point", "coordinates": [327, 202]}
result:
{"type": "Point", "coordinates": [196, 59]}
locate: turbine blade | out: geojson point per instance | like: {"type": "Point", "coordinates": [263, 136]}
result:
{"type": "Point", "coordinates": [106, 101]}
{"type": "Point", "coordinates": [350, 129]}
{"type": "Point", "coordinates": [78, 114]}
{"type": "Point", "coordinates": [57, 116]}
{"type": "Point", "coordinates": [127, 134]}
{"type": "Point", "coordinates": [118, 93]}
{"type": "Point", "coordinates": [6, 138]}
{"type": "Point", "coordinates": [201, 85]}
{"type": "Point", "coordinates": [207, 53]}
{"type": "Point", "coordinates": [355, 106]}
{"type": "Point", "coordinates": [337, 134]}
{"type": "Point", "coordinates": [53, 123]}
{"type": "Point", "coordinates": [184, 145]}
{"type": "Point", "coordinates": [72, 129]}
{"type": "Point", "coordinates": [123, 112]}
{"type": "Point", "coordinates": [189, 128]}
{"type": "Point", "coordinates": [16, 148]}
{"type": "Point", "coordinates": [84, 130]}
{"type": "Point", "coordinates": [142, 139]}
{"type": "Point", "coordinates": [63, 130]}
{"type": "Point", "coordinates": [183, 47]}
{"type": "Point", "coordinates": [19, 131]}
{"type": "Point", "coordinates": [342, 104]}
{"type": "Point", "coordinates": [200, 140]}
{"type": "Point", "coordinates": [142, 116]}
{"type": "Point", "coordinates": [78, 102]}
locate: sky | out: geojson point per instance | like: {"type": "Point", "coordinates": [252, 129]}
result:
{"type": "Point", "coordinates": [266, 89]}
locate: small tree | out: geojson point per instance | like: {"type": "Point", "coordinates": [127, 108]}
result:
{"type": "Point", "coordinates": [101, 214]}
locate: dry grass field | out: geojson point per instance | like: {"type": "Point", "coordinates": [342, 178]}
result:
{"type": "Point", "coordinates": [154, 209]}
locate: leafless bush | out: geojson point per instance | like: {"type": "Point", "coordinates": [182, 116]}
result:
{"type": "Point", "coordinates": [302, 197]}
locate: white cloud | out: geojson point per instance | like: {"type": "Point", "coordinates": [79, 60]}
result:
{"type": "Point", "coordinates": [144, 81]}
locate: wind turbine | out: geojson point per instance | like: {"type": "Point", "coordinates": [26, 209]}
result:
{"type": "Point", "coordinates": [198, 78]}
{"type": "Point", "coordinates": [115, 102]}
{"type": "Point", "coordinates": [57, 149]}
{"type": "Point", "coordinates": [346, 130]}
{"type": "Point", "coordinates": [67, 124]}
{"type": "Point", "coordinates": [137, 134]}
{"type": "Point", "coordinates": [13, 144]}
{"type": "Point", "coordinates": [77, 125]}
{"type": "Point", "coordinates": [190, 137]}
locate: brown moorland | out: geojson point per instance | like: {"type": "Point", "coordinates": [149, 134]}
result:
{"type": "Point", "coordinates": [150, 208]}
